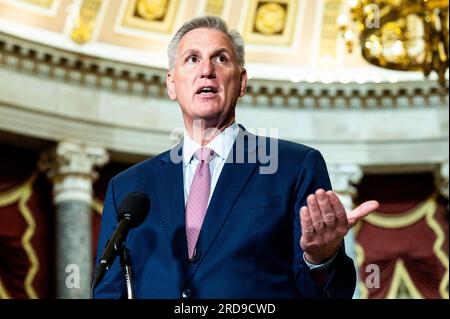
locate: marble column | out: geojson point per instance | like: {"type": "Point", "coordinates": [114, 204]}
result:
{"type": "Point", "coordinates": [344, 178]}
{"type": "Point", "coordinates": [70, 167]}
{"type": "Point", "coordinates": [442, 179]}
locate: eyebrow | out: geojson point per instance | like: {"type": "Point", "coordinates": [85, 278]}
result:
{"type": "Point", "coordinates": [190, 52]}
{"type": "Point", "coordinates": [215, 52]}
{"type": "Point", "coordinates": [221, 50]}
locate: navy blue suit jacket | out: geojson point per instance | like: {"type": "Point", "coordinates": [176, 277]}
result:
{"type": "Point", "coordinates": [248, 246]}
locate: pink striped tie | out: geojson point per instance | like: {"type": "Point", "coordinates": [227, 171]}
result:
{"type": "Point", "coordinates": [197, 202]}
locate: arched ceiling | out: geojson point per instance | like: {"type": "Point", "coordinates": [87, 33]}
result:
{"type": "Point", "coordinates": [300, 44]}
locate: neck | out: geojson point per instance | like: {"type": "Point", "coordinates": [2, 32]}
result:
{"type": "Point", "coordinates": [203, 132]}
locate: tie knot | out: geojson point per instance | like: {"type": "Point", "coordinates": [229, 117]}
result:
{"type": "Point", "coordinates": [204, 154]}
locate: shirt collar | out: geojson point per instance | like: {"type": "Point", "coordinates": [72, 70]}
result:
{"type": "Point", "coordinates": [221, 144]}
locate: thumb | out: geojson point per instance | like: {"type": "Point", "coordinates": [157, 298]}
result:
{"type": "Point", "coordinates": [362, 211]}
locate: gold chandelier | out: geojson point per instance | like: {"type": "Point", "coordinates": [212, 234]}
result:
{"type": "Point", "coordinates": [405, 35]}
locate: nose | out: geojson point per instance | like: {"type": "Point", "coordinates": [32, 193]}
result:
{"type": "Point", "coordinates": [207, 70]}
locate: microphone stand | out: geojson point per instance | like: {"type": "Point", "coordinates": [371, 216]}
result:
{"type": "Point", "coordinates": [125, 262]}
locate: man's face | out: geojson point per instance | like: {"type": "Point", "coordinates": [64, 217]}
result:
{"type": "Point", "coordinates": [206, 80]}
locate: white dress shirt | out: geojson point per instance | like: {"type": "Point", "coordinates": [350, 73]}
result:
{"type": "Point", "coordinates": [221, 145]}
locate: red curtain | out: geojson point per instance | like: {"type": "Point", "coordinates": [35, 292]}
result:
{"type": "Point", "coordinates": [408, 239]}
{"type": "Point", "coordinates": [27, 252]}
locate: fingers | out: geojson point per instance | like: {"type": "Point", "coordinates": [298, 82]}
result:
{"type": "Point", "coordinates": [307, 227]}
{"type": "Point", "coordinates": [325, 211]}
{"type": "Point", "coordinates": [315, 214]}
{"type": "Point", "coordinates": [362, 211]}
{"type": "Point", "coordinates": [341, 215]}
{"type": "Point", "coordinates": [324, 224]}
{"type": "Point", "coordinates": [328, 212]}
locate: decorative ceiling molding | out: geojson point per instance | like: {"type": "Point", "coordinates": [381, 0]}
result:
{"type": "Point", "coordinates": [44, 7]}
{"type": "Point", "coordinates": [61, 65]}
{"type": "Point", "coordinates": [41, 3]}
{"type": "Point", "coordinates": [329, 32]}
{"type": "Point", "coordinates": [110, 39]}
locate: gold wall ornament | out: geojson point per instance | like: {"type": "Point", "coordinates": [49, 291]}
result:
{"type": "Point", "coordinates": [149, 15]}
{"type": "Point", "coordinates": [84, 23]}
{"type": "Point", "coordinates": [270, 18]}
{"type": "Point", "coordinates": [151, 9]}
{"type": "Point", "coordinates": [214, 7]}
{"type": "Point", "coordinates": [82, 33]}
{"type": "Point", "coordinates": [271, 22]}
{"type": "Point", "coordinates": [404, 35]}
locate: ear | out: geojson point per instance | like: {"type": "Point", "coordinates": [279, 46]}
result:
{"type": "Point", "coordinates": [170, 84]}
{"type": "Point", "coordinates": [244, 79]}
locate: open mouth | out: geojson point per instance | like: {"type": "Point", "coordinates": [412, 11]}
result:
{"type": "Point", "coordinates": [207, 90]}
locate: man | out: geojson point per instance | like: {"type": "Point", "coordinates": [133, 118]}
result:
{"type": "Point", "coordinates": [219, 225]}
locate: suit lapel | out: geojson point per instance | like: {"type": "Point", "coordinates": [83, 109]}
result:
{"type": "Point", "coordinates": [171, 201]}
{"type": "Point", "coordinates": [232, 180]}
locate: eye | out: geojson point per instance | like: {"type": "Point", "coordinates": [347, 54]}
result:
{"type": "Point", "coordinates": [192, 59]}
{"type": "Point", "coordinates": [221, 58]}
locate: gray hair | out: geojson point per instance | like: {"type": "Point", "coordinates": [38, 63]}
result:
{"type": "Point", "coordinates": [210, 22]}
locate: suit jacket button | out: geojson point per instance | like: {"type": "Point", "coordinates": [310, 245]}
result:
{"type": "Point", "coordinates": [186, 294]}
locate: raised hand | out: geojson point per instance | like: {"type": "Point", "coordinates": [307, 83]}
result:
{"type": "Point", "coordinates": [324, 224]}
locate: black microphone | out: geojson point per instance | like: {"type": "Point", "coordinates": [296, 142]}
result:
{"type": "Point", "coordinates": [131, 213]}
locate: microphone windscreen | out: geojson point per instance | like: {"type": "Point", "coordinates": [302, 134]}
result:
{"type": "Point", "coordinates": [136, 205]}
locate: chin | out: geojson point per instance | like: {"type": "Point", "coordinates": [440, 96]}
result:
{"type": "Point", "coordinates": [207, 111]}
{"type": "Point", "coordinates": [207, 116]}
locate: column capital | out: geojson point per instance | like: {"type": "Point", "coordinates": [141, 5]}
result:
{"type": "Point", "coordinates": [344, 176]}
{"type": "Point", "coordinates": [71, 168]}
